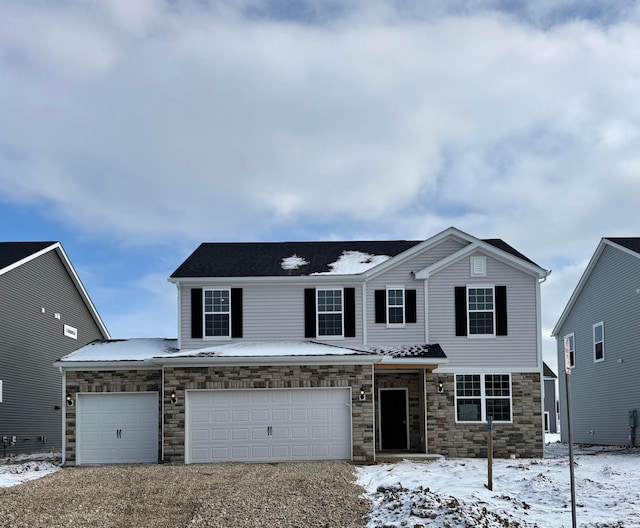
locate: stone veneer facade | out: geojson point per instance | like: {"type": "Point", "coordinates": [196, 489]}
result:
{"type": "Point", "coordinates": [523, 438]}
{"type": "Point", "coordinates": [181, 379]}
{"type": "Point", "coordinates": [107, 381]}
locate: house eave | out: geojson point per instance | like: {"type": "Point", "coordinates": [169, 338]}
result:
{"type": "Point", "coordinates": [244, 361]}
{"type": "Point", "coordinates": [96, 365]}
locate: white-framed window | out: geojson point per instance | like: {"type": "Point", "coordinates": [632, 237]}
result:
{"type": "Point", "coordinates": [330, 312]}
{"type": "Point", "coordinates": [571, 338]}
{"type": "Point", "coordinates": [395, 306]}
{"type": "Point", "coordinates": [598, 342]}
{"type": "Point", "coordinates": [479, 396]}
{"type": "Point", "coordinates": [217, 313]}
{"type": "Point", "coordinates": [481, 309]}
{"type": "Point", "coordinates": [478, 266]}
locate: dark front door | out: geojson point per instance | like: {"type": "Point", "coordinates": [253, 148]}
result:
{"type": "Point", "coordinates": [393, 419]}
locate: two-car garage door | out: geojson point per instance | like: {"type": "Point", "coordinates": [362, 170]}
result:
{"type": "Point", "coordinates": [268, 425]}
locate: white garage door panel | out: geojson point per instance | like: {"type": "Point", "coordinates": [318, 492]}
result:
{"type": "Point", "coordinates": [268, 425]}
{"type": "Point", "coordinates": [117, 428]}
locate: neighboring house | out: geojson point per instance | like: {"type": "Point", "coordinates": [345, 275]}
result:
{"type": "Point", "coordinates": [45, 313]}
{"type": "Point", "coordinates": [323, 350]}
{"type": "Point", "coordinates": [600, 324]}
{"type": "Point", "coordinates": [550, 400]}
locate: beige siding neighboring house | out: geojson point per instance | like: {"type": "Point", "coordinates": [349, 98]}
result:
{"type": "Point", "coordinates": [348, 350]}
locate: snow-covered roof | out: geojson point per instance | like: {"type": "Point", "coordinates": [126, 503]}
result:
{"type": "Point", "coordinates": [353, 262]}
{"type": "Point", "coordinates": [139, 349]}
{"type": "Point", "coordinates": [158, 351]}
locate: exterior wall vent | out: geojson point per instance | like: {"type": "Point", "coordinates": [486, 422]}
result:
{"type": "Point", "coordinates": [478, 266]}
{"type": "Point", "coordinates": [71, 332]}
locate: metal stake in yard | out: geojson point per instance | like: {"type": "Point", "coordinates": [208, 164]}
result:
{"type": "Point", "coordinates": [490, 452]}
{"type": "Point", "coordinates": [567, 375]}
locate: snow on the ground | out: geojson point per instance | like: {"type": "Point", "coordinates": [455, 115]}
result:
{"type": "Point", "coordinates": [19, 468]}
{"type": "Point", "coordinates": [526, 493]}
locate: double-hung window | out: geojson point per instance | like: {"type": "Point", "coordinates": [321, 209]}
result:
{"type": "Point", "coordinates": [217, 313]}
{"type": "Point", "coordinates": [481, 310]}
{"type": "Point", "coordinates": [480, 396]}
{"type": "Point", "coordinates": [571, 341]}
{"type": "Point", "coordinates": [395, 306]}
{"type": "Point", "coordinates": [330, 312]}
{"type": "Point", "coordinates": [598, 341]}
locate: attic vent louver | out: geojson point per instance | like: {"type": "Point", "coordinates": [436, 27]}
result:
{"type": "Point", "coordinates": [478, 266]}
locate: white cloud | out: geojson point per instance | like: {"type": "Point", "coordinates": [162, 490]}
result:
{"type": "Point", "coordinates": [152, 122]}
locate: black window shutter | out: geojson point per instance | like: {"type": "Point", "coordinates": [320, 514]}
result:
{"type": "Point", "coordinates": [236, 312]}
{"type": "Point", "coordinates": [309, 312]}
{"type": "Point", "coordinates": [461, 310]}
{"type": "Point", "coordinates": [349, 312]}
{"type": "Point", "coordinates": [381, 306]}
{"type": "Point", "coordinates": [410, 306]}
{"type": "Point", "coordinates": [196, 313]}
{"type": "Point", "coordinates": [501, 310]}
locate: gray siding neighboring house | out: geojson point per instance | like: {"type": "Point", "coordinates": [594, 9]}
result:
{"type": "Point", "coordinates": [550, 401]}
{"type": "Point", "coordinates": [346, 350]}
{"type": "Point", "coordinates": [45, 313]}
{"type": "Point", "coordinates": [601, 322]}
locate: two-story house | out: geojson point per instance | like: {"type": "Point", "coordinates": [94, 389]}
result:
{"type": "Point", "coordinates": [600, 328]}
{"type": "Point", "coordinates": [45, 312]}
{"type": "Point", "coordinates": [324, 350]}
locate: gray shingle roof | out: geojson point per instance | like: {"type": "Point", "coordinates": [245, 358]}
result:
{"type": "Point", "coordinates": [264, 259]}
{"type": "Point", "coordinates": [12, 252]}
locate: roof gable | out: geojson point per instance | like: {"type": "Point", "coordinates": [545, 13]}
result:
{"type": "Point", "coordinates": [13, 254]}
{"type": "Point", "coordinates": [630, 246]}
{"type": "Point", "coordinates": [632, 243]}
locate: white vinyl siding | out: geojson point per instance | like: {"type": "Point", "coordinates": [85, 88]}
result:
{"type": "Point", "coordinates": [262, 304]}
{"type": "Point", "coordinates": [517, 350]}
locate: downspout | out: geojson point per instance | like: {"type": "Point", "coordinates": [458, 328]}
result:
{"type": "Point", "coordinates": [162, 416]}
{"type": "Point", "coordinates": [539, 347]}
{"type": "Point", "coordinates": [364, 314]}
{"type": "Point", "coordinates": [64, 415]}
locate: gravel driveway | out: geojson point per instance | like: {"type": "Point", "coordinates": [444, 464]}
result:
{"type": "Point", "coordinates": [305, 495]}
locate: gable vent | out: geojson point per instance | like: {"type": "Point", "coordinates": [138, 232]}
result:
{"type": "Point", "coordinates": [478, 266]}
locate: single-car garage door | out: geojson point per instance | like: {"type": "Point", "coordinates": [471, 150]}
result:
{"type": "Point", "coordinates": [265, 425]}
{"type": "Point", "coordinates": [117, 428]}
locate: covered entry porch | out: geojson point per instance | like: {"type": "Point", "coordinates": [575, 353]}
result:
{"type": "Point", "coordinates": [402, 389]}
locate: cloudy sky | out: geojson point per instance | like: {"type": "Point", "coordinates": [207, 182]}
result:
{"type": "Point", "coordinates": [133, 131]}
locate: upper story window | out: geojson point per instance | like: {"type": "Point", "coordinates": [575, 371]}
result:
{"type": "Point", "coordinates": [598, 341]}
{"type": "Point", "coordinates": [395, 306]}
{"type": "Point", "coordinates": [330, 313]}
{"type": "Point", "coordinates": [571, 342]}
{"type": "Point", "coordinates": [217, 313]}
{"type": "Point", "coordinates": [480, 396]}
{"type": "Point", "coordinates": [481, 311]}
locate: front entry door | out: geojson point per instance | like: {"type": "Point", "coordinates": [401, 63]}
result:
{"type": "Point", "coordinates": [393, 419]}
